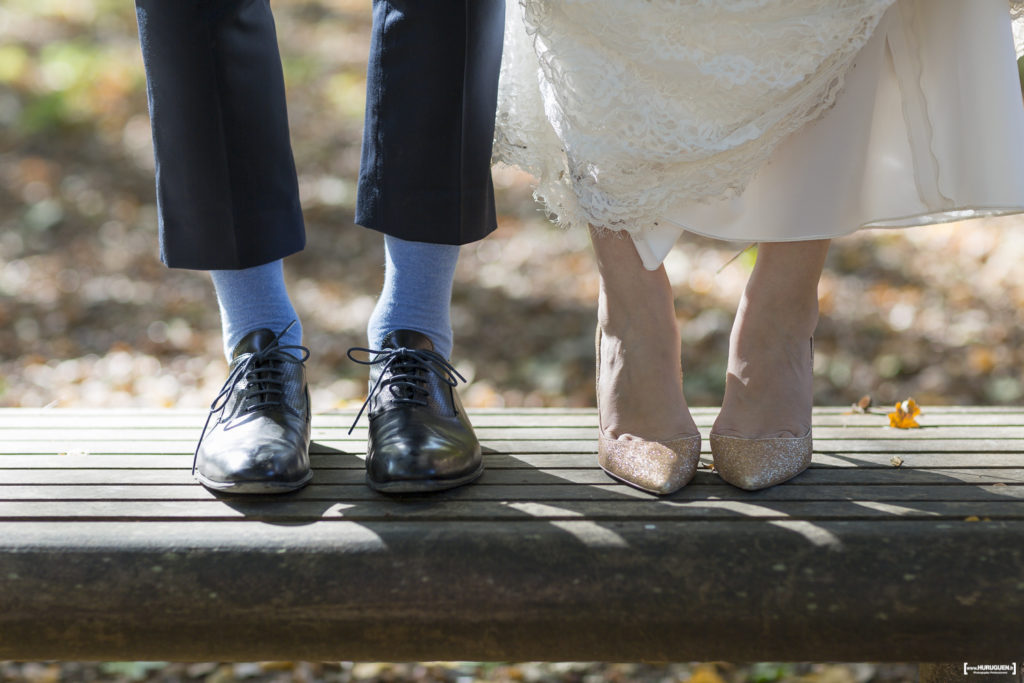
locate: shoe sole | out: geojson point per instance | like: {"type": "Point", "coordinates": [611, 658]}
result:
{"type": "Point", "coordinates": [253, 487]}
{"type": "Point", "coordinates": [423, 485]}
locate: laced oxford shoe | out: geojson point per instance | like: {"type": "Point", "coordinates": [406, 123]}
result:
{"type": "Point", "coordinates": [259, 442]}
{"type": "Point", "coordinates": [420, 438]}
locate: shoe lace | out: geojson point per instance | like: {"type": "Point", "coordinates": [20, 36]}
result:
{"type": "Point", "coordinates": [404, 374]}
{"type": "Point", "coordinates": [263, 374]}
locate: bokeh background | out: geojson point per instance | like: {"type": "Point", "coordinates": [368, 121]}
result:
{"type": "Point", "coordinates": [89, 317]}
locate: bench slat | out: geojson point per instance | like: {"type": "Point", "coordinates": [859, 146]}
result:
{"type": "Point", "coordinates": [113, 496]}
{"type": "Point", "coordinates": [612, 510]}
{"type": "Point", "coordinates": [323, 446]}
{"type": "Point", "coordinates": [512, 417]}
{"type": "Point", "coordinates": [24, 483]}
{"type": "Point", "coordinates": [502, 468]}
{"type": "Point", "coordinates": [138, 462]}
{"type": "Point", "coordinates": [499, 434]}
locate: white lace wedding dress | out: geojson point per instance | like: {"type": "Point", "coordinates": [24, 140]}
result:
{"type": "Point", "coordinates": [762, 120]}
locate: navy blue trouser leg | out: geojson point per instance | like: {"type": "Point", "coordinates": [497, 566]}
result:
{"type": "Point", "coordinates": [431, 93]}
{"type": "Point", "coordinates": [227, 191]}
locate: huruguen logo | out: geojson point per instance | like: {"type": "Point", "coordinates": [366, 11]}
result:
{"type": "Point", "coordinates": [1000, 669]}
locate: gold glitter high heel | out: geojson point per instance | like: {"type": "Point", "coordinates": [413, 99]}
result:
{"type": "Point", "coordinates": [660, 467]}
{"type": "Point", "coordinates": [754, 464]}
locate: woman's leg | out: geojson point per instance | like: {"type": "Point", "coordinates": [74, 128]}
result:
{"type": "Point", "coordinates": [640, 388]}
{"type": "Point", "coordinates": [768, 388]}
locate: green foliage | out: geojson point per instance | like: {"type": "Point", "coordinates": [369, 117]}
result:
{"type": "Point", "coordinates": [768, 672]}
{"type": "Point", "coordinates": [75, 11]}
{"type": "Point", "coordinates": [69, 82]}
{"type": "Point", "coordinates": [13, 62]}
{"type": "Point", "coordinates": [65, 65]}
{"type": "Point", "coordinates": [133, 671]}
{"type": "Point", "coordinates": [298, 70]}
{"type": "Point", "coordinates": [346, 91]}
{"type": "Point", "coordinates": [44, 113]}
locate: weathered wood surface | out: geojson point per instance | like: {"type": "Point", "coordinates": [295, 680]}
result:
{"type": "Point", "coordinates": [108, 549]}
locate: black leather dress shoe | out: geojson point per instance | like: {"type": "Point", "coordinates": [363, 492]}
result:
{"type": "Point", "coordinates": [259, 442]}
{"type": "Point", "coordinates": [420, 437]}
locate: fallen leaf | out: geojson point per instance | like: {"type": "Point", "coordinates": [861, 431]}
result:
{"type": "Point", "coordinates": [863, 405]}
{"type": "Point", "coordinates": [972, 518]}
{"type": "Point", "coordinates": [903, 416]}
{"type": "Point", "coordinates": [895, 461]}
{"type": "Point", "coordinates": [968, 600]}
{"type": "Point", "coordinates": [706, 674]}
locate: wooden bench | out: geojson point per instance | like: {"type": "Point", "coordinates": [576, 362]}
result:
{"type": "Point", "coordinates": [108, 550]}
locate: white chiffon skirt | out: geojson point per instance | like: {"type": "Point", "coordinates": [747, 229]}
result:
{"type": "Point", "coordinates": [928, 127]}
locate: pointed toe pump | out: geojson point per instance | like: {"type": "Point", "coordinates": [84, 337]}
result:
{"type": "Point", "coordinates": [757, 463]}
{"type": "Point", "coordinates": [659, 467]}
{"type": "Point", "coordinates": [754, 464]}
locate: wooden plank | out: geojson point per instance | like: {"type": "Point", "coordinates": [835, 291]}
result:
{"type": "Point", "coordinates": [43, 480]}
{"type": "Point", "coordinates": [812, 477]}
{"type": "Point", "coordinates": [882, 445]}
{"type": "Point", "coordinates": [698, 411]}
{"type": "Point", "coordinates": [138, 462]}
{"type": "Point", "coordinates": [912, 460]}
{"type": "Point", "coordinates": [556, 410]}
{"type": "Point", "coordinates": [482, 418]}
{"type": "Point", "coordinates": [499, 469]}
{"type": "Point", "coordinates": [296, 509]}
{"type": "Point", "coordinates": [341, 590]}
{"type": "Point", "coordinates": [135, 501]}
{"type": "Point", "coordinates": [499, 434]}
{"type": "Point", "coordinates": [113, 419]}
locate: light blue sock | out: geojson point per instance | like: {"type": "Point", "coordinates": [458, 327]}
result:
{"type": "Point", "coordinates": [417, 293]}
{"type": "Point", "coordinates": [252, 299]}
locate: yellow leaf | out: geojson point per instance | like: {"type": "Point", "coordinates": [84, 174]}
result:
{"type": "Point", "coordinates": [972, 518]}
{"type": "Point", "coordinates": [903, 417]}
{"type": "Point", "coordinates": [706, 674]}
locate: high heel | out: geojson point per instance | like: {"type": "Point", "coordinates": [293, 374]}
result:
{"type": "Point", "coordinates": [660, 467]}
{"type": "Point", "coordinates": [758, 463]}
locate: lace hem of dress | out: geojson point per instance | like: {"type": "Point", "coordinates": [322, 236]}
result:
{"type": "Point", "coordinates": [611, 125]}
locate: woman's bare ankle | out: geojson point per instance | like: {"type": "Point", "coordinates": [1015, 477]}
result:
{"type": "Point", "coordinates": [640, 391]}
{"type": "Point", "coordinates": [769, 383]}
{"type": "Point", "coordinates": [640, 386]}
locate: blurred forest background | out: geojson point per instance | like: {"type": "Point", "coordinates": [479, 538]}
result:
{"type": "Point", "coordinates": [89, 317]}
